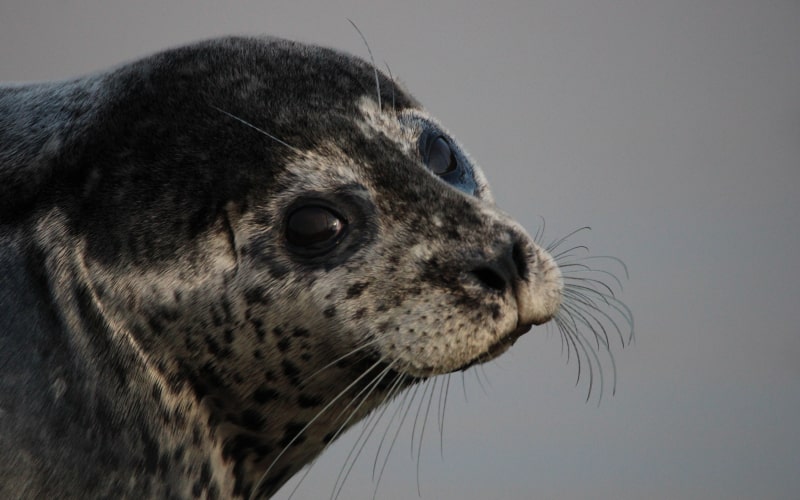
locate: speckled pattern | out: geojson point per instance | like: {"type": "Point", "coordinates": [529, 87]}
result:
{"type": "Point", "coordinates": [160, 338]}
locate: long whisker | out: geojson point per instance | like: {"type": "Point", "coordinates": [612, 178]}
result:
{"type": "Point", "coordinates": [372, 59]}
{"type": "Point", "coordinates": [371, 424]}
{"type": "Point", "coordinates": [391, 77]}
{"type": "Point", "coordinates": [391, 445]}
{"type": "Point", "coordinates": [375, 383]}
{"type": "Point", "coordinates": [388, 427]}
{"type": "Point", "coordinates": [555, 244]}
{"type": "Point", "coordinates": [262, 131]}
{"type": "Point", "coordinates": [340, 359]}
{"type": "Point", "coordinates": [442, 409]}
{"type": "Point", "coordinates": [260, 483]}
{"type": "Point", "coordinates": [422, 432]}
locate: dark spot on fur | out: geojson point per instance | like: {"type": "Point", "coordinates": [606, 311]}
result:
{"type": "Point", "coordinates": [329, 312]}
{"type": "Point", "coordinates": [495, 308]}
{"type": "Point", "coordinates": [360, 313]}
{"type": "Point", "coordinates": [216, 319]}
{"type": "Point", "coordinates": [291, 434]}
{"type": "Point", "coordinates": [205, 473]}
{"type": "Point", "coordinates": [291, 371]}
{"type": "Point", "coordinates": [264, 394]}
{"type": "Point", "coordinates": [202, 482]}
{"type": "Point", "coordinates": [300, 332]}
{"type": "Point", "coordinates": [356, 289]}
{"type": "Point", "coordinates": [163, 465]}
{"type": "Point", "coordinates": [252, 420]}
{"type": "Point", "coordinates": [277, 331]}
{"type": "Point", "coordinates": [155, 324]}
{"type": "Point", "coordinates": [237, 447]}
{"type": "Point", "coordinates": [284, 344]}
{"type": "Point", "coordinates": [215, 349]}
{"type": "Point", "coordinates": [241, 487]}
{"type": "Point", "coordinates": [309, 401]}
{"type": "Point", "coordinates": [226, 309]}
{"type": "Point", "coordinates": [277, 270]}
{"type": "Point", "coordinates": [257, 295]}
{"type": "Point", "coordinates": [258, 326]}
{"type": "Point", "coordinates": [262, 451]}
{"type": "Point", "coordinates": [197, 436]}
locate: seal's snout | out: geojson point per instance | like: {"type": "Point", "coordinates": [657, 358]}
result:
{"type": "Point", "coordinates": [528, 273]}
{"type": "Point", "coordinates": [539, 294]}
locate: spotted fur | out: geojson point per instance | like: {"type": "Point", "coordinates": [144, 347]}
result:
{"type": "Point", "coordinates": [158, 338]}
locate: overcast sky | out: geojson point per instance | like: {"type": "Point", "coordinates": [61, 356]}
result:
{"type": "Point", "coordinates": [670, 127]}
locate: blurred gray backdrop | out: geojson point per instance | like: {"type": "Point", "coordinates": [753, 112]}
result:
{"type": "Point", "coordinates": [670, 127]}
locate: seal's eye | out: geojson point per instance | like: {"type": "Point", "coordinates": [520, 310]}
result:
{"type": "Point", "coordinates": [314, 230]}
{"type": "Point", "coordinates": [441, 159]}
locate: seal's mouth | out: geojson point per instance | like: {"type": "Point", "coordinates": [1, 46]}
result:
{"type": "Point", "coordinates": [499, 347]}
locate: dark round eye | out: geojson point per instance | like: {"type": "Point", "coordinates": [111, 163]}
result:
{"type": "Point", "coordinates": [314, 230]}
{"type": "Point", "coordinates": [441, 159]}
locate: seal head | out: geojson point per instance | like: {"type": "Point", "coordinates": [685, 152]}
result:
{"type": "Point", "coordinates": [227, 254]}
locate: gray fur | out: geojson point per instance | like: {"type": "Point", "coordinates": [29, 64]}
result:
{"type": "Point", "coordinates": [159, 339]}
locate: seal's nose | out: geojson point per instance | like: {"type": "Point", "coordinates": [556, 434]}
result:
{"type": "Point", "coordinates": [537, 293]}
{"type": "Point", "coordinates": [504, 270]}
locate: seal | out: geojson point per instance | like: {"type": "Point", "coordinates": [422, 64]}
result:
{"type": "Point", "coordinates": [218, 258]}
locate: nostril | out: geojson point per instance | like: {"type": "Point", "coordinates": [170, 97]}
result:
{"type": "Point", "coordinates": [490, 278]}
{"type": "Point", "coordinates": [520, 260]}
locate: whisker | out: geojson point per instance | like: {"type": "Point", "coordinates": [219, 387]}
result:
{"type": "Point", "coordinates": [442, 409]}
{"type": "Point", "coordinates": [566, 253]}
{"type": "Point", "coordinates": [362, 438]}
{"type": "Point", "coordinates": [375, 383]}
{"type": "Point", "coordinates": [340, 358]}
{"type": "Point", "coordinates": [262, 131]}
{"type": "Point", "coordinates": [260, 483]}
{"type": "Point", "coordinates": [394, 440]}
{"type": "Point", "coordinates": [555, 244]}
{"type": "Point", "coordinates": [391, 77]}
{"type": "Point", "coordinates": [575, 274]}
{"type": "Point", "coordinates": [480, 382]}
{"type": "Point", "coordinates": [590, 353]}
{"type": "Point", "coordinates": [422, 432]}
{"type": "Point", "coordinates": [372, 59]}
{"type": "Point", "coordinates": [388, 426]}
{"type": "Point", "coordinates": [540, 231]}
{"type": "Point", "coordinates": [416, 417]}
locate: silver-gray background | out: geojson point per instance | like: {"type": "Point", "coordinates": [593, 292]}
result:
{"type": "Point", "coordinates": [670, 127]}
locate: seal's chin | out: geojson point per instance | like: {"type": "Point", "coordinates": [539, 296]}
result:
{"type": "Point", "coordinates": [498, 347]}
